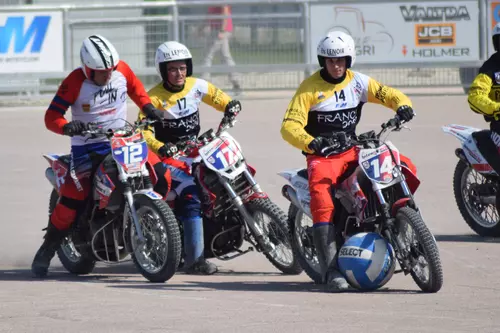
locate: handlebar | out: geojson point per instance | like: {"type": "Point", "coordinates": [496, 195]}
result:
{"type": "Point", "coordinates": [96, 130]}
{"type": "Point", "coordinates": [189, 144]}
{"type": "Point", "coordinates": [341, 141]}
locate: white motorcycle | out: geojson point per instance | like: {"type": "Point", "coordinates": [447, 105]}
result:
{"type": "Point", "coordinates": [475, 182]}
{"type": "Point", "coordinates": [376, 195]}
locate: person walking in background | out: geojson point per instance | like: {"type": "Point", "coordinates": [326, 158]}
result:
{"type": "Point", "coordinates": [220, 32]}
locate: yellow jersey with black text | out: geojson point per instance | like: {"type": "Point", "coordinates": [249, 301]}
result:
{"type": "Point", "coordinates": [181, 110]}
{"type": "Point", "coordinates": [484, 93]}
{"type": "Point", "coordinates": [320, 108]}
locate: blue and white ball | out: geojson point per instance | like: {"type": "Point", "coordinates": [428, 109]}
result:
{"type": "Point", "coordinates": [367, 261]}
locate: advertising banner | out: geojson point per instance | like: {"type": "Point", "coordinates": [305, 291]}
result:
{"type": "Point", "coordinates": [402, 32]}
{"type": "Point", "coordinates": [493, 18]}
{"type": "Point", "coordinates": [31, 42]}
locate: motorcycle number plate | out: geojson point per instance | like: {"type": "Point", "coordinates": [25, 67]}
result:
{"type": "Point", "coordinates": [130, 155]}
{"type": "Point", "coordinates": [378, 163]}
{"type": "Point", "coordinates": [224, 155]}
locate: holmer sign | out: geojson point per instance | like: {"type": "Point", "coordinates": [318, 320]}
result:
{"type": "Point", "coordinates": [427, 31]}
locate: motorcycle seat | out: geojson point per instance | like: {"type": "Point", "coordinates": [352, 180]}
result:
{"type": "Point", "coordinates": [303, 173]}
{"type": "Point", "coordinates": [65, 158]}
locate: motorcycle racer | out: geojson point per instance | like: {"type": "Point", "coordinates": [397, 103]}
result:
{"type": "Point", "coordinates": [96, 92]}
{"type": "Point", "coordinates": [177, 98]}
{"type": "Point", "coordinates": [484, 99]}
{"type": "Point", "coordinates": [326, 103]}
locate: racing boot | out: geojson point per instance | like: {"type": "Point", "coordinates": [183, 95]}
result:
{"type": "Point", "coordinates": [194, 248]}
{"type": "Point", "coordinates": [324, 241]}
{"type": "Point", "coordinates": [52, 240]}
{"type": "Point", "coordinates": [201, 267]}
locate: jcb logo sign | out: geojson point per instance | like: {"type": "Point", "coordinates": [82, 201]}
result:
{"type": "Point", "coordinates": [442, 34]}
{"type": "Point", "coordinates": [18, 33]}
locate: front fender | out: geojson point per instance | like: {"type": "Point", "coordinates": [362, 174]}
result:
{"type": "Point", "coordinates": [411, 179]}
{"type": "Point", "coordinates": [149, 193]}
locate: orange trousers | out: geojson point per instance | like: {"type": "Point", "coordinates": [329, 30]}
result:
{"type": "Point", "coordinates": [324, 172]}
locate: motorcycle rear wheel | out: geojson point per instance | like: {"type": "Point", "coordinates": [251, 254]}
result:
{"type": "Point", "coordinates": [73, 261]}
{"type": "Point", "coordinates": [473, 212]}
{"type": "Point", "coordinates": [303, 243]}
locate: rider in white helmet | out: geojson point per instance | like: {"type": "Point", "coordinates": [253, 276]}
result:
{"type": "Point", "coordinates": [484, 99]}
{"type": "Point", "coordinates": [326, 103]}
{"type": "Point", "coordinates": [96, 92]}
{"type": "Point", "coordinates": [179, 96]}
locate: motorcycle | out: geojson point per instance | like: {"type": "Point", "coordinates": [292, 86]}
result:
{"type": "Point", "coordinates": [123, 215]}
{"type": "Point", "coordinates": [233, 204]}
{"type": "Point", "coordinates": [475, 182]}
{"type": "Point", "coordinates": [373, 195]}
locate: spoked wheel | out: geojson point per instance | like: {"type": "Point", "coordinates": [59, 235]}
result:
{"type": "Point", "coordinates": [302, 242]}
{"type": "Point", "coordinates": [274, 223]}
{"type": "Point", "coordinates": [158, 258]}
{"type": "Point", "coordinates": [420, 249]}
{"type": "Point", "coordinates": [477, 200]}
{"type": "Point", "coordinates": [71, 258]}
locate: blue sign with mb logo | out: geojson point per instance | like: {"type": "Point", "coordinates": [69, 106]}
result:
{"type": "Point", "coordinates": [31, 42]}
{"type": "Point", "coordinates": [15, 30]}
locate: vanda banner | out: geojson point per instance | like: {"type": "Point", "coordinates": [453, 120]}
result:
{"type": "Point", "coordinates": [402, 32]}
{"type": "Point", "coordinates": [31, 42]}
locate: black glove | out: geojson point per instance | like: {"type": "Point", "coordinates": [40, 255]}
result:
{"type": "Point", "coordinates": [325, 146]}
{"type": "Point", "coordinates": [168, 150]}
{"type": "Point", "coordinates": [321, 146]}
{"type": "Point", "coordinates": [405, 113]}
{"type": "Point", "coordinates": [74, 127]}
{"type": "Point", "coordinates": [232, 109]}
{"type": "Point", "coordinates": [152, 113]}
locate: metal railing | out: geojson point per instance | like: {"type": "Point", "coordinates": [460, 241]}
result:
{"type": "Point", "coordinates": [269, 44]}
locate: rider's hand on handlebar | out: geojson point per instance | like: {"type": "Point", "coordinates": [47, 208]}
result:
{"type": "Point", "coordinates": [405, 113]}
{"type": "Point", "coordinates": [325, 146]}
{"type": "Point", "coordinates": [168, 150]}
{"type": "Point", "coordinates": [232, 109]}
{"type": "Point", "coordinates": [74, 127]}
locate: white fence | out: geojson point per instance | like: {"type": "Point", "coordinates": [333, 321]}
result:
{"type": "Point", "coordinates": [403, 43]}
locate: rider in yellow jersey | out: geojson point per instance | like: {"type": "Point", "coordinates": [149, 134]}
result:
{"type": "Point", "coordinates": [328, 102]}
{"type": "Point", "coordinates": [177, 99]}
{"type": "Point", "coordinates": [484, 98]}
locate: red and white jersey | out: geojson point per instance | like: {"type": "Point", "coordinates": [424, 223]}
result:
{"type": "Point", "coordinates": [91, 103]}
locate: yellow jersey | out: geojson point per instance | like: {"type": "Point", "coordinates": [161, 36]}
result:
{"type": "Point", "coordinates": [181, 111]}
{"type": "Point", "coordinates": [321, 108]}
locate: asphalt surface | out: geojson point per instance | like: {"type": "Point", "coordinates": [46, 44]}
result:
{"type": "Point", "coordinates": [248, 294]}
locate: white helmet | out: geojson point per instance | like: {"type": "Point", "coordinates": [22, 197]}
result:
{"type": "Point", "coordinates": [97, 53]}
{"type": "Point", "coordinates": [495, 35]}
{"type": "Point", "coordinates": [336, 44]}
{"type": "Point", "coordinates": [172, 51]}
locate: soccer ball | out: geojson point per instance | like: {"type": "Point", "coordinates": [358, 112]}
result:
{"type": "Point", "coordinates": [367, 261]}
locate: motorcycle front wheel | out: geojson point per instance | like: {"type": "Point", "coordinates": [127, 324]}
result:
{"type": "Point", "coordinates": [274, 223]}
{"type": "Point", "coordinates": [421, 248]}
{"type": "Point", "coordinates": [157, 259]}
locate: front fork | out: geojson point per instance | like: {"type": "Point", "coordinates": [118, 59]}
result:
{"type": "Point", "coordinates": [257, 231]}
{"type": "Point", "coordinates": [123, 177]}
{"type": "Point", "coordinates": [400, 249]}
